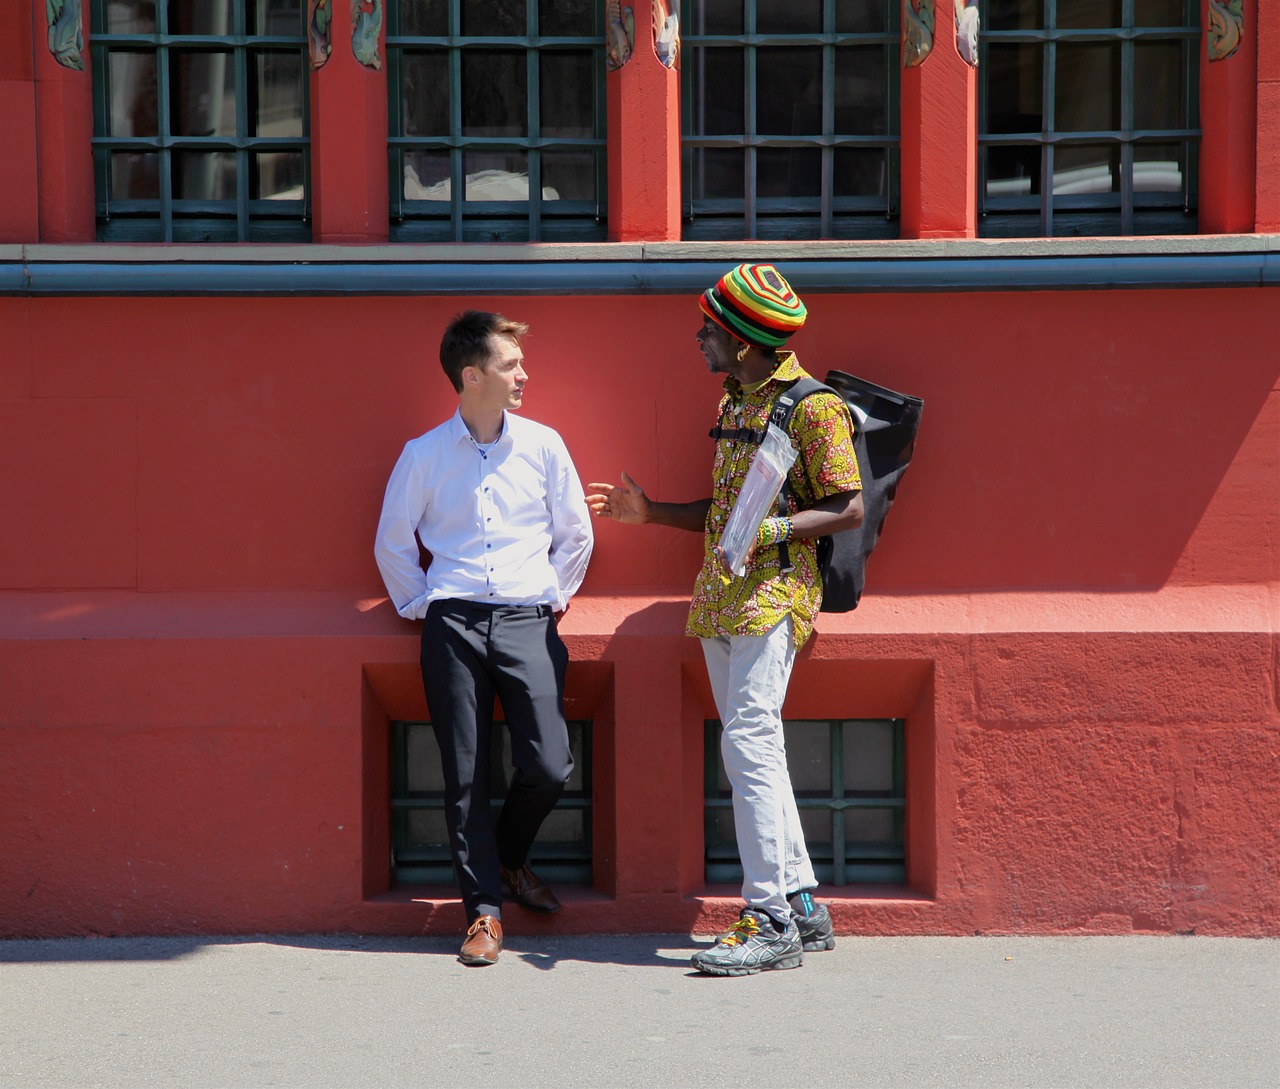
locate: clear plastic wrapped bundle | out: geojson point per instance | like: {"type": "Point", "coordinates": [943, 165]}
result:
{"type": "Point", "coordinates": [755, 501]}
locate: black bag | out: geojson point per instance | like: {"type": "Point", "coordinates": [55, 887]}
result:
{"type": "Point", "coordinates": [885, 426]}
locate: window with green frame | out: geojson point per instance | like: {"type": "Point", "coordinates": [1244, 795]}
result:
{"type": "Point", "coordinates": [200, 120]}
{"type": "Point", "coordinates": [849, 779]}
{"type": "Point", "coordinates": [790, 126]}
{"type": "Point", "coordinates": [1087, 114]}
{"type": "Point", "coordinates": [419, 841]}
{"type": "Point", "coordinates": [497, 120]}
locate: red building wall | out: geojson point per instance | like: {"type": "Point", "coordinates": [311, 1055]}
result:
{"type": "Point", "coordinates": [1074, 608]}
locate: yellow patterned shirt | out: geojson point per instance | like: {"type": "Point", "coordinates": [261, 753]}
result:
{"type": "Point", "coordinates": [822, 431]}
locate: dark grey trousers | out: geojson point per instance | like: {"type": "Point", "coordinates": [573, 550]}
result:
{"type": "Point", "coordinates": [470, 652]}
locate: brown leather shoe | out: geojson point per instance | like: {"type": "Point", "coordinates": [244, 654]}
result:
{"type": "Point", "coordinates": [484, 942]}
{"type": "Point", "coordinates": [527, 889]}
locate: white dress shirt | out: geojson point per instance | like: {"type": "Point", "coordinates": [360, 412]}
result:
{"type": "Point", "coordinates": [506, 524]}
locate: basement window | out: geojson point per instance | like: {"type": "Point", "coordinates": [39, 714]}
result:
{"type": "Point", "coordinates": [849, 780]}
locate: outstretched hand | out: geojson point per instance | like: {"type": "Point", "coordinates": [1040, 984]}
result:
{"type": "Point", "coordinates": [625, 502]}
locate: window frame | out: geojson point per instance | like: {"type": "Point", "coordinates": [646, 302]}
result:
{"type": "Point", "coordinates": [836, 863]}
{"type": "Point", "coordinates": [846, 217]}
{"type": "Point", "coordinates": [432, 864]}
{"type": "Point", "coordinates": [1114, 213]}
{"type": "Point", "coordinates": [494, 221]}
{"type": "Point", "coordinates": [167, 218]}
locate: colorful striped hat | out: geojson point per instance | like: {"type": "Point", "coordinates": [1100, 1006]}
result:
{"type": "Point", "coordinates": [755, 304]}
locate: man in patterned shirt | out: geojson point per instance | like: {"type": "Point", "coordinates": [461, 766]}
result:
{"type": "Point", "coordinates": [751, 626]}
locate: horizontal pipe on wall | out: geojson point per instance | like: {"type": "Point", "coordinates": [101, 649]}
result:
{"type": "Point", "coordinates": [631, 277]}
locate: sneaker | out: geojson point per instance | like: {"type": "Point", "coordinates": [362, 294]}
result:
{"type": "Point", "coordinates": [813, 920]}
{"type": "Point", "coordinates": [753, 944]}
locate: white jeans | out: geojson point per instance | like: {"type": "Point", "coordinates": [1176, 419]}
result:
{"type": "Point", "coordinates": [749, 675]}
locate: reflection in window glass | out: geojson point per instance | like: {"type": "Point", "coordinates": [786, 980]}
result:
{"type": "Point", "coordinates": [806, 89]}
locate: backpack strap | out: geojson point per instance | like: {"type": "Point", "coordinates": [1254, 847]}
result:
{"type": "Point", "coordinates": [784, 407]}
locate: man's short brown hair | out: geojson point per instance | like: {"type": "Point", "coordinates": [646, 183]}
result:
{"type": "Point", "coordinates": [466, 341]}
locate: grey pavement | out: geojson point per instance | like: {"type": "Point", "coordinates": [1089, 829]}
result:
{"type": "Point", "coordinates": [603, 1011]}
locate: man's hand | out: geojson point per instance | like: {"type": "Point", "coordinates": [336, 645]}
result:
{"type": "Point", "coordinates": [625, 502]}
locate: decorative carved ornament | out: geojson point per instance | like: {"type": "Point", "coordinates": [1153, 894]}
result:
{"type": "Point", "coordinates": [66, 37]}
{"type": "Point", "coordinates": [319, 32]}
{"type": "Point", "coordinates": [366, 25]}
{"type": "Point", "coordinates": [1225, 29]}
{"type": "Point", "coordinates": [620, 32]}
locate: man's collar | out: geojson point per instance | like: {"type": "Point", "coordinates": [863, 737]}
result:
{"type": "Point", "coordinates": [459, 432]}
{"type": "Point", "coordinates": [787, 371]}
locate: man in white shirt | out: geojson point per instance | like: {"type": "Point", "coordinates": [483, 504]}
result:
{"type": "Point", "coordinates": [495, 499]}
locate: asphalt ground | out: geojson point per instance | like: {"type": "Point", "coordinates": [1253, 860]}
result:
{"type": "Point", "coordinates": [602, 1011]}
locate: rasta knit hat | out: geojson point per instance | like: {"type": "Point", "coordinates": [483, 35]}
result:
{"type": "Point", "coordinates": [754, 303]}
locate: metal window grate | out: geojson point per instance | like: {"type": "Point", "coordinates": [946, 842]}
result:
{"type": "Point", "coordinates": [419, 842]}
{"type": "Point", "coordinates": [496, 121]}
{"type": "Point", "coordinates": [1086, 117]}
{"type": "Point", "coordinates": [200, 121]}
{"type": "Point", "coordinates": [849, 780]}
{"type": "Point", "coordinates": [790, 125]}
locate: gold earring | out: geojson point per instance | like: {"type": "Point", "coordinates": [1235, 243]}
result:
{"type": "Point", "coordinates": [742, 352]}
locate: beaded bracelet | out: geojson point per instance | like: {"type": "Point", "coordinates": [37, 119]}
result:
{"type": "Point", "coordinates": [773, 531]}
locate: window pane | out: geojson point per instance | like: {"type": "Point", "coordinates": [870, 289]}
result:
{"type": "Point", "coordinates": [789, 92]}
{"type": "Point", "coordinates": [715, 17]}
{"type": "Point", "coordinates": [1013, 15]}
{"type": "Point", "coordinates": [1086, 169]}
{"type": "Point", "coordinates": [717, 174]}
{"type": "Point", "coordinates": [425, 78]}
{"type": "Point", "coordinates": [809, 757]}
{"type": "Point", "coordinates": [1161, 13]}
{"type": "Point", "coordinates": [496, 175]}
{"type": "Point", "coordinates": [862, 17]}
{"type": "Point", "coordinates": [426, 826]}
{"type": "Point", "coordinates": [279, 110]}
{"type": "Point", "coordinates": [426, 175]}
{"type": "Point", "coordinates": [133, 94]}
{"type": "Point", "coordinates": [1087, 91]}
{"type": "Point", "coordinates": [788, 16]}
{"type": "Point", "coordinates": [1013, 170]}
{"type": "Point", "coordinates": [1083, 14]}
{"type": "Point", "coordinates": [568, 175]}
{"type": "Point", "coordinates": [204, 99]}
{"type": "Point", "coordinates": [868, 826]}
{"type": "Point", "coordinates": [860, 172]}
{"type": "Point", "coordinates": [566, 18]}
{"type": "Point", "coordinates": [135, 175]}
{"type": "Point", "coordinates": [200, 175]}
{"type": "Point", "coordinates": [861, 82]}
{"type": "Point", "coordinates": [494, 93]}
{"type": "Point", "coordinates": [483, 18]}
{"type": "Point", "coordinates": [275, 17]}
{"type": "Point", "coordinates": [1157, 70]}
{"type": "Point", "coordinates": [279, 175]}
{"type": "Point", "coordinates": [131, 17]}
{"type": "Point", "coordinates": [1014, 81]}
{"type": "Point", "coordinates": [429, 18]}
{"type": "Point", "coordinates": [567, 97]}
{"type": "Point", "coordinates": [718, 106]}
{"type": "Point", "coordinates": [1157, 168]}
{"type": "Point", "coordinates": [868, 757]}
{"type": "Point", "coordinates": [788, 172]}
{"type": "Point", "coordinates": [201, 17]}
